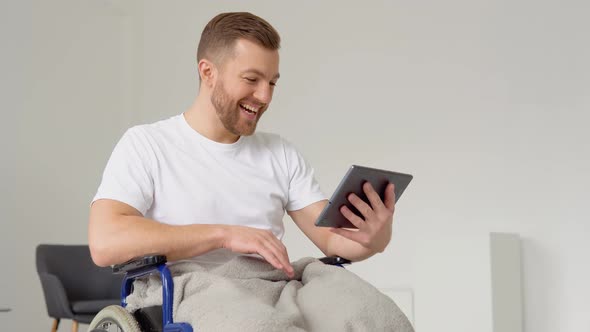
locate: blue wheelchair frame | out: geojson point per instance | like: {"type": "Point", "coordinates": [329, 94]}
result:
{"type": "Point", "coordinates": [167, 295]}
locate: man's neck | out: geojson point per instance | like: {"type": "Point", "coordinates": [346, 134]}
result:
{"type": "Point", "coordinates": [201, 116]}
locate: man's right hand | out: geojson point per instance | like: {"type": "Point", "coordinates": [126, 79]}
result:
{"type": "Point", "coordinates": [248, 240]}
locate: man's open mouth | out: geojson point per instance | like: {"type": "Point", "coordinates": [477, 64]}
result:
{"type": "Point", "coordinates": [249, 109]}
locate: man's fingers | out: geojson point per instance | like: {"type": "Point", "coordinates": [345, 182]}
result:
{"type": "Point", "coordinates": [364, 208]}
{"type": "Point", "coordinates": [279, 251]}
{"type": "Point", "coordinates": [390, 197]}
{"type": "Point", "coordinates": [275, 261]}
{"type": "Point", "coordinates": [284, 260]}
{"type": "Point", "coordinates": [373, 196]}
{"type": "Point", "coordinates": [353, 218]}
{"type": "Point", "coordinates": [270, 257]}
{"type": "Point", "coordinates": [250, 240]}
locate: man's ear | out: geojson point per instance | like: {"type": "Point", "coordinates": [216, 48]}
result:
{"type": "Point", "coordinates": [207, 72]}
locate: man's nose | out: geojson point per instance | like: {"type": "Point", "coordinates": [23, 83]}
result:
{"type": "Point", "coordinates": [264, 93]}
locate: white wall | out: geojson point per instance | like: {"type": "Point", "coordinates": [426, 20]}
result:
{"type": "Point", "coordinates": [485, 102]}
{"type": "Point", "coordinates": [12, 90]}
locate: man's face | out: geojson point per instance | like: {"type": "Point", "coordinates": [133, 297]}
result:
{"type": "Point", "coordinates": [244, 88]}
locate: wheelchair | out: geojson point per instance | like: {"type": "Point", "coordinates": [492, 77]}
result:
{"type": "Point", "coordinates": [116, 318]}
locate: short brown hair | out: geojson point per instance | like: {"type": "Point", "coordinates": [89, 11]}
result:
{"type": "Point", "coordinates": [221, 33]}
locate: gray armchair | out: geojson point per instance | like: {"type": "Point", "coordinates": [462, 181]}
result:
{"type": "Point", "coordinates": [74, 287]}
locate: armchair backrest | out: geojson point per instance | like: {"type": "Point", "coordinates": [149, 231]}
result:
{"type": "Point", "coordinates": [80, 277]}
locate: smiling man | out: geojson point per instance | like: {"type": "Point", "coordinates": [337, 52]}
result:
{"type": "Point", "coordinates": [204, 186]}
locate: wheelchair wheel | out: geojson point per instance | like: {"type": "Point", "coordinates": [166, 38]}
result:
{"type": "Point", "coordinates": [114, 318]}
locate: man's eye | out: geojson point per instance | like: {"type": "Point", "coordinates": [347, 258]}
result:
{"type": "Point", "coordinates": [249, 79]}
{"type": "Point", "coordinates": [273, 83]}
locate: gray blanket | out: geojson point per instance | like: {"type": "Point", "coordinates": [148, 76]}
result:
{"type": "Point", "coordinates": [247, 294]}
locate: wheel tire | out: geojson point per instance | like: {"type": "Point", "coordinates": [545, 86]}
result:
{"type": "Point", "coordinates": [114, 315]}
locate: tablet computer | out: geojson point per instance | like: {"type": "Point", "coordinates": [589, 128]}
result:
{"type": "Point", "coordinates": [353, 183]}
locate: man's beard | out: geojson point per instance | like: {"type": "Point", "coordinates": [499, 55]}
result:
{"type": "Point", "coordinates": [229, 112]}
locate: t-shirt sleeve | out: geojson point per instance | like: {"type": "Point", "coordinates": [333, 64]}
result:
{"type": "Point", "coordinates": [128, 174]}
{"type": "Point", "coordinates": [303, 187]}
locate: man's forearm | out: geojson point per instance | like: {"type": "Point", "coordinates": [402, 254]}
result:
{"type": "Point", "coordinates": [118, 232]}
{"type": "Point", "coordinates": [343, 247]}
{"type": "Point", "coordinates": [117, 239]}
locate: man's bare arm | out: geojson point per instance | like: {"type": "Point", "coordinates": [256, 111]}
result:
{"type": "Point", "coordinates": [118, 232]}
{"type": "Point", "coordinates": [372, 236]}
{"type": "Point", "coordinates": [329, 243]}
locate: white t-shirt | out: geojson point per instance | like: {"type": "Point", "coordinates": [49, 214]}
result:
{"type": "Point", "coordinates": [172, 174]}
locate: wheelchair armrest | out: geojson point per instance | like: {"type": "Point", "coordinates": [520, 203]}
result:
{"type": "Point", "coordinates": [335, 260]}
{"type": "Point", "coordinates": [139, 263]}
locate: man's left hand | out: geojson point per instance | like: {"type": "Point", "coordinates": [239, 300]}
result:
{"type": "Point", "coordinates": [374, 232]}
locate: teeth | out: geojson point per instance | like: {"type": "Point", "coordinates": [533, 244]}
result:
{"type": "Point", "coordinates": [249, 108]}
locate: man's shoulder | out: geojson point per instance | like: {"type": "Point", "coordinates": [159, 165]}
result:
{"type": "Point", "coordinates": [161, 127]}
{"type": "Point", "coordinates": [164, 125]}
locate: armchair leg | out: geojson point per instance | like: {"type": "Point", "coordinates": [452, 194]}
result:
{"type": "Point", "coordinates": [74, 326]}
{"type": "Point", "coordinates": [55, 325]}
